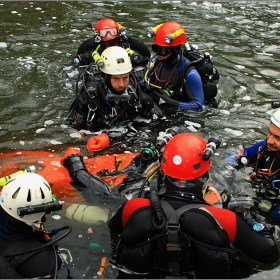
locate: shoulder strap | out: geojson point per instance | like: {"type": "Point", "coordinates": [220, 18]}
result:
{"type": "Point", "coordinates": [173, 215]}
{"type": "Point", "coordinates": [173, 227]}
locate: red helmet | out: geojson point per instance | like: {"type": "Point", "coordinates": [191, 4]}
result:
{"type": "Point", "coordinates": [182, 157]}
{"type": "Point", "coordinates": [170, 34]}
{"type": "Point", "coordinates": [107, 29]}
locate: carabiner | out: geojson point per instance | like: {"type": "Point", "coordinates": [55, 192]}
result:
{"type": "Point", "coordinates": [89, 111]}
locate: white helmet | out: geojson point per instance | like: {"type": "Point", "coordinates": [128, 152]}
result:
{"type": "Point", "coordinates": [275, 117]}
{"type": "Point", "coordinates": [116, 61]}
{"type": "Point", "coordinates": [26, 189]}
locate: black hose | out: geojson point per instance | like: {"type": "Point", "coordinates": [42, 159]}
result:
{"type": "Point", "coordinates": [146, 180]}
{"type": "Point", "coordinates": [56, 262]}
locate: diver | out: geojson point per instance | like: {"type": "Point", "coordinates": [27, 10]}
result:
{"type": "Point", "coordinates": [264, 157]}
{"type": "Point", "coordinates": [28, 250]}
{"type": "Point", "coordinates": [175, 80]}
{"type": "Point", "coordinates": [108, 32]}
{"type": "Point", "coordinates": [111, 98]}
{"type": "Point", "coordinates": [177, 233]}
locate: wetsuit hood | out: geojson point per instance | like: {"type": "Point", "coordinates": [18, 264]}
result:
{"type": "Point", "coordinates": [109, 85]}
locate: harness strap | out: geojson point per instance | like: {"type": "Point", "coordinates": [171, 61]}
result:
{"type": "Point", "coordinates": [173, 247]}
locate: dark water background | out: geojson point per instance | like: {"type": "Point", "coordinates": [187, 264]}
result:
{"type": "Point", "coordinates": [38, 43]}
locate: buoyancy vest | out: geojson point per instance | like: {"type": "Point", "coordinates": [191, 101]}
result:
{"type": "Point", "coordinates": [188, 244]}
{"type": "Point", "coordinates": [172, 79]}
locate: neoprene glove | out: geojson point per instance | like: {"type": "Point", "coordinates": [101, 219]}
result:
{"type": "Point", "coordinates": [98, 142]}
{"type": "Point", "coordinates": [167, 99]}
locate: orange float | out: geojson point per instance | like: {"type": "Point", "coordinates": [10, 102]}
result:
{"type": "Point", "coordinates": [49, 166]}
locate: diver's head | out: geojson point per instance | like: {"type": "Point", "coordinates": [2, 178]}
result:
{"type": "Point", "coordinates": [106, 30]}
{"type": "Point", "coordinates": [169, 37]}
{"type": "Point", "coordinates": [28, 189]}
{"type": "Point", "coordinates": [182, 163]}
{"type": "Point", "coordinates": [117, 67]}
{"type": "Point", "coordinates": [109, 33]}
{"type": "Point", "coordinates": [273, 136]}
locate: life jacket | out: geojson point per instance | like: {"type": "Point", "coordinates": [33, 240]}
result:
{"type": "Point", "coordinates": [181, 246]}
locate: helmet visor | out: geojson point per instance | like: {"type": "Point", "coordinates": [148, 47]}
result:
{"type": "Point", "coordinates": [159, 50]}
{"type": "Point", "coordinates": [108, 32]}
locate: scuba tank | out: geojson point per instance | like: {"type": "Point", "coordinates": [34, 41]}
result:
{"type": "Point", "coordinates": [87, 214]}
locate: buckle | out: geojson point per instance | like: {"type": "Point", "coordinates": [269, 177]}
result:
{"type": "Point", "coordinates": [172, 227]}
{"type": "Point", "coordinates": [173, 247]}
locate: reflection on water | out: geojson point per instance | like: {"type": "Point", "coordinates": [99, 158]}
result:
{"type": "Point", "coordinates": [38, 43]}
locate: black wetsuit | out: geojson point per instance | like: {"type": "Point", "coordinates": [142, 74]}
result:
{"type": "Point", "coordinates": [87, 47]}
{"type": "Point", "coordinates": [204, 240]}
{"type": "Point", "coordinates": [16, 237]}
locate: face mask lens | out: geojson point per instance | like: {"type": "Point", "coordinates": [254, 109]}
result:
{"type": "Point", "coordinates": [159, 50]}
{"type": "Point", "coordinates": [117, 98]}
{"type": "Point", "coordinates": [107, 32]}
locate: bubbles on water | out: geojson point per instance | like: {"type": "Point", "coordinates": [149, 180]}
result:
{"type": "Point", "coordinates": [239, 67]}
{"type": "Point", "coordinates": [40, 130]}
{"type": "Point", "coordinates": [22, 143]}
{"type": "Point", "coordinates": [192, 123]}
{"type": "Point", "coordinates": [75, 135]}
{"type": "Point", "coordinates": [225, 112]}
{"type": "Point", "coordinates": [234, 132]}
{"type": "Point", "coordinates": [3, 45]}
{"type": "Point", "coordinates": [246, 98]}
{"type": "Point", "coordinates": [55, 142]}
{"type": "Point", "coordinates": [48, 122]}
